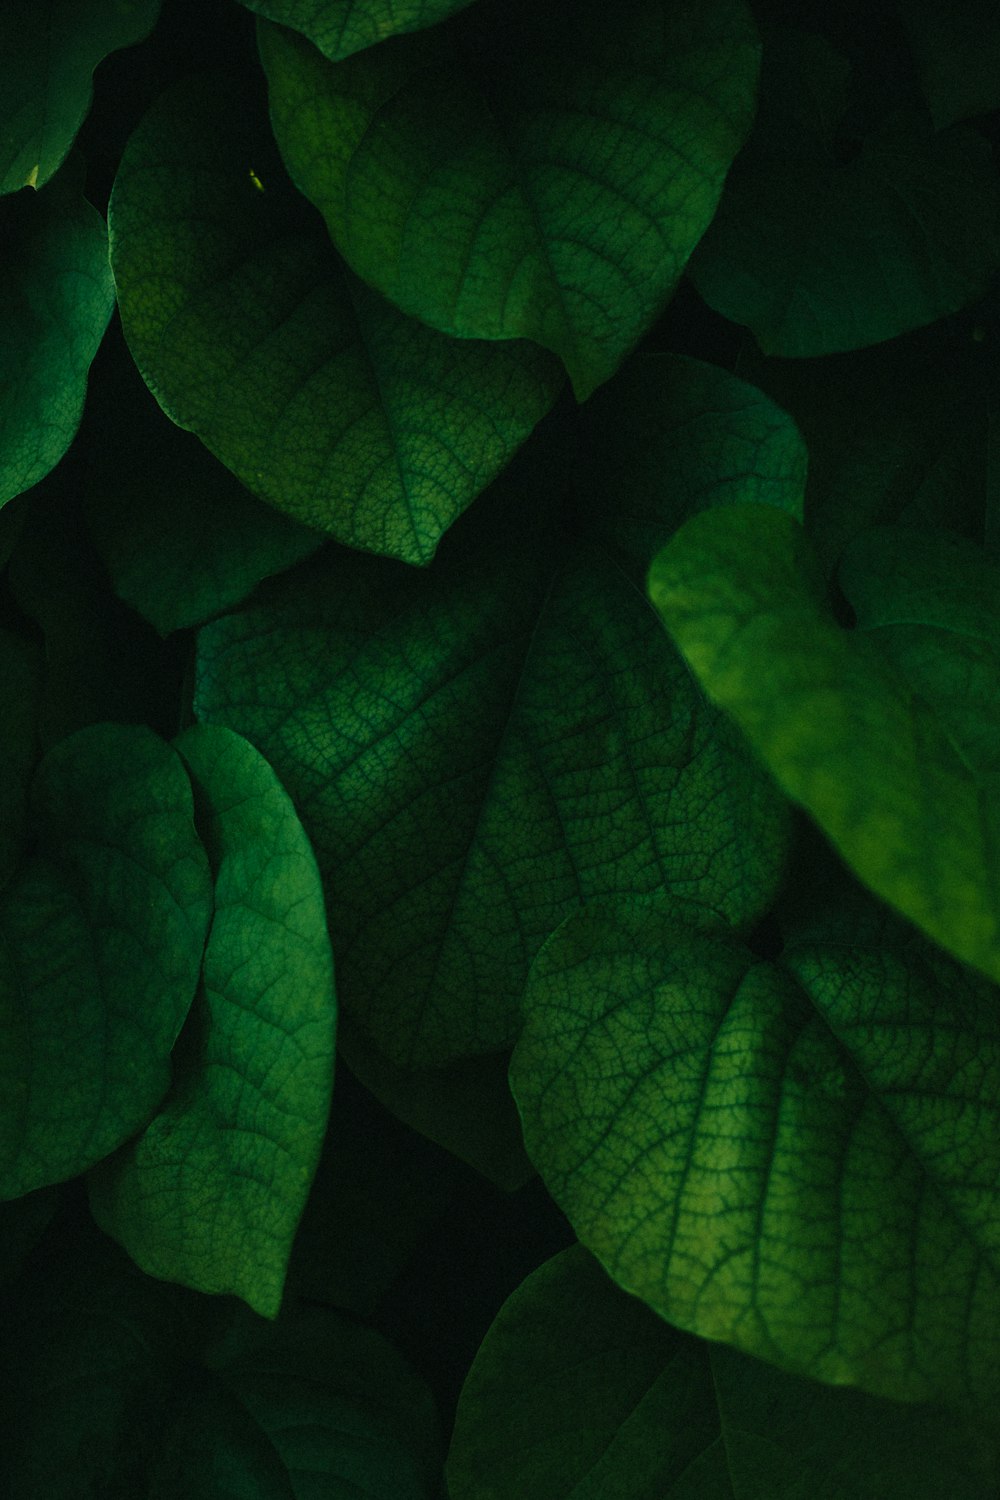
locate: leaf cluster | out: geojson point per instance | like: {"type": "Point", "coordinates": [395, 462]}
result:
{"type": "Point", "coordinates": [500, 749]}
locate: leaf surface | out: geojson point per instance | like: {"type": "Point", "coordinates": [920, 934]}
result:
{"type": "Point", "coordinates": [211, 1192]}
{"type": "Point", "coordinates": [477, 750]}
{"type": "Point", "coordinates": [505, 176]}
{"type": "Point", "coordinates": [341, 27]}
{"type": "Point", "coordinates": [578, 1392]}
{"type": "Point", "coordinates": [825, 240]}
{"type": "Point", "coordinates": [843, 732]}
{"type": "Point", "coordinates": [102, 926]}
{"type": "Point", "coordinates": [798, 1159]}
{"type": "Point", "coordinates": [59, 295]}
{"type": "Point", "coordinates": [48, 52]}
{"type": "Point", "coordinates": [321, 397]}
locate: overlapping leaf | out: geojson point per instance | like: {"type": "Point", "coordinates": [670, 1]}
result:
{"type": "Point", "coordinates": [103, 927]}
{"type": "Point", "coordinates": [824, 244]}
{"type": "Point", "coordinates": [128, 1386]}
{"type": "Point", "coordinates": [842, 731]}
{"type": "Point", "coordinates": [211, 1192]}
{"type": "Point", "coordinates": [48, 52]}
{"type": "Point", "coordinates": [321, 397]}
{"type": "Point", "coordinates": [59, 296]}
{"type": "Point", "coordinates": [796, 1158]}
{"type": "Point", "coordinates": [508, 176]}
{"type": "Point", "coordinates": [340, 27]}
{"type": "Point", "coordinates": [477, 750]}
{"type": "Point", "coordinates": [578, 1392]}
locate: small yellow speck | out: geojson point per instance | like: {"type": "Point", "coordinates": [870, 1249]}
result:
{"type": "Point", "coordinates": [256, 181]}
{"type": "Point", "coordinates": [32, 178]}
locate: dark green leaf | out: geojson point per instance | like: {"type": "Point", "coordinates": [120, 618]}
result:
{"type": "Point", "coordinates": [48, 52]}
{"type": "Point", "coordinates": [58, 294]}
{"type": "Point", "coordinates": [817, 253]}
{"type": "Point", "coordinates": [338, 1403]}
{"type": "Point", "coordinates": [506, 176]}
{"type": "Point", "coordinates": [181, 537]}
{"type": "Point", "coordinates": [322, 399]}
{"type": "Point", "coordinates": [956, 47]}
{"type": "Point", "coordinates": [103, 927]}
{"type": "Point", "coordinates": [340, 27]}
{"type": "Point", "coordinates": [476, 750]}
{"type": "Point", "coordinates": [210, 1194]}
{"type": "Point", "coordinates": [578, 1392]}
{"type": "Point", "coordinates": [466, 1108]}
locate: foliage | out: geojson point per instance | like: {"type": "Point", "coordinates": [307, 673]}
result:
{"type": "Point", "coordinates": [499, 722]}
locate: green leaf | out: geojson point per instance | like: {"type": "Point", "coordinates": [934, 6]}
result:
{"type": "Point", "coordinates": [340, 1406]}
{"type": "Point", "coordinates": [211, 1192]}
{"type": "Point", "coordinates": [48, 52]}
{"type": "Point", "coordinates": [94, 1352]}
{"type": "Point", "coordinates": [181, 538]}
{"type": "Point", "coordinates": [930, 602]}
{"type": "Point", "coordinates": [340, 27]}
{"type": "Point", "coordinates": [477, 750]}
{"type": "Point", "coordinates": [102, 930]}
{"type": "Point", "coordinates": [578, 1392]}
{"type": "Point", "coordinates": [321, 398]}
{"type": "Point", "coordinates": [508, 176]}
{"type": "Point", "coordinates": [842, 732]}
{"type": "Point", "coordinates": [100, 662]}
{"type": "Point", "coordinates": [59, 296]}
{"type": "Point", "coordinates": [818, 249]}
{"type": "Point", "coordinates": [798, 1159]}
{"type": "Point", "coordinates": [671, 436]}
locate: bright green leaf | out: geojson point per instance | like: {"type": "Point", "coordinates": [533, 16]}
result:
{"type": "Point", "coordinates": [322, 398]}
{"type": "Point", "coordinates": [48, 52]}
{"type": "Point", "coordinates": [505, 176]}
{"type": "Point", "coordinates": [578, 1392]}
{"type": "Point", "coordinates": [340, 27]}
{"type": "Point", "coordinates": [211, 1192]}
{"type": "Point", "coordinates": [59, 295]}
{"type": "Point", "coordinates": [818, 249]}
{"type": "Point", "coordinates": [798, 1159]}
{"type": "Point", "coordinates": [476, 750]}
{"type": "Point", "coordinates": [103, 927]}
{"type": "Point", "coordinates": [843, 733]}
